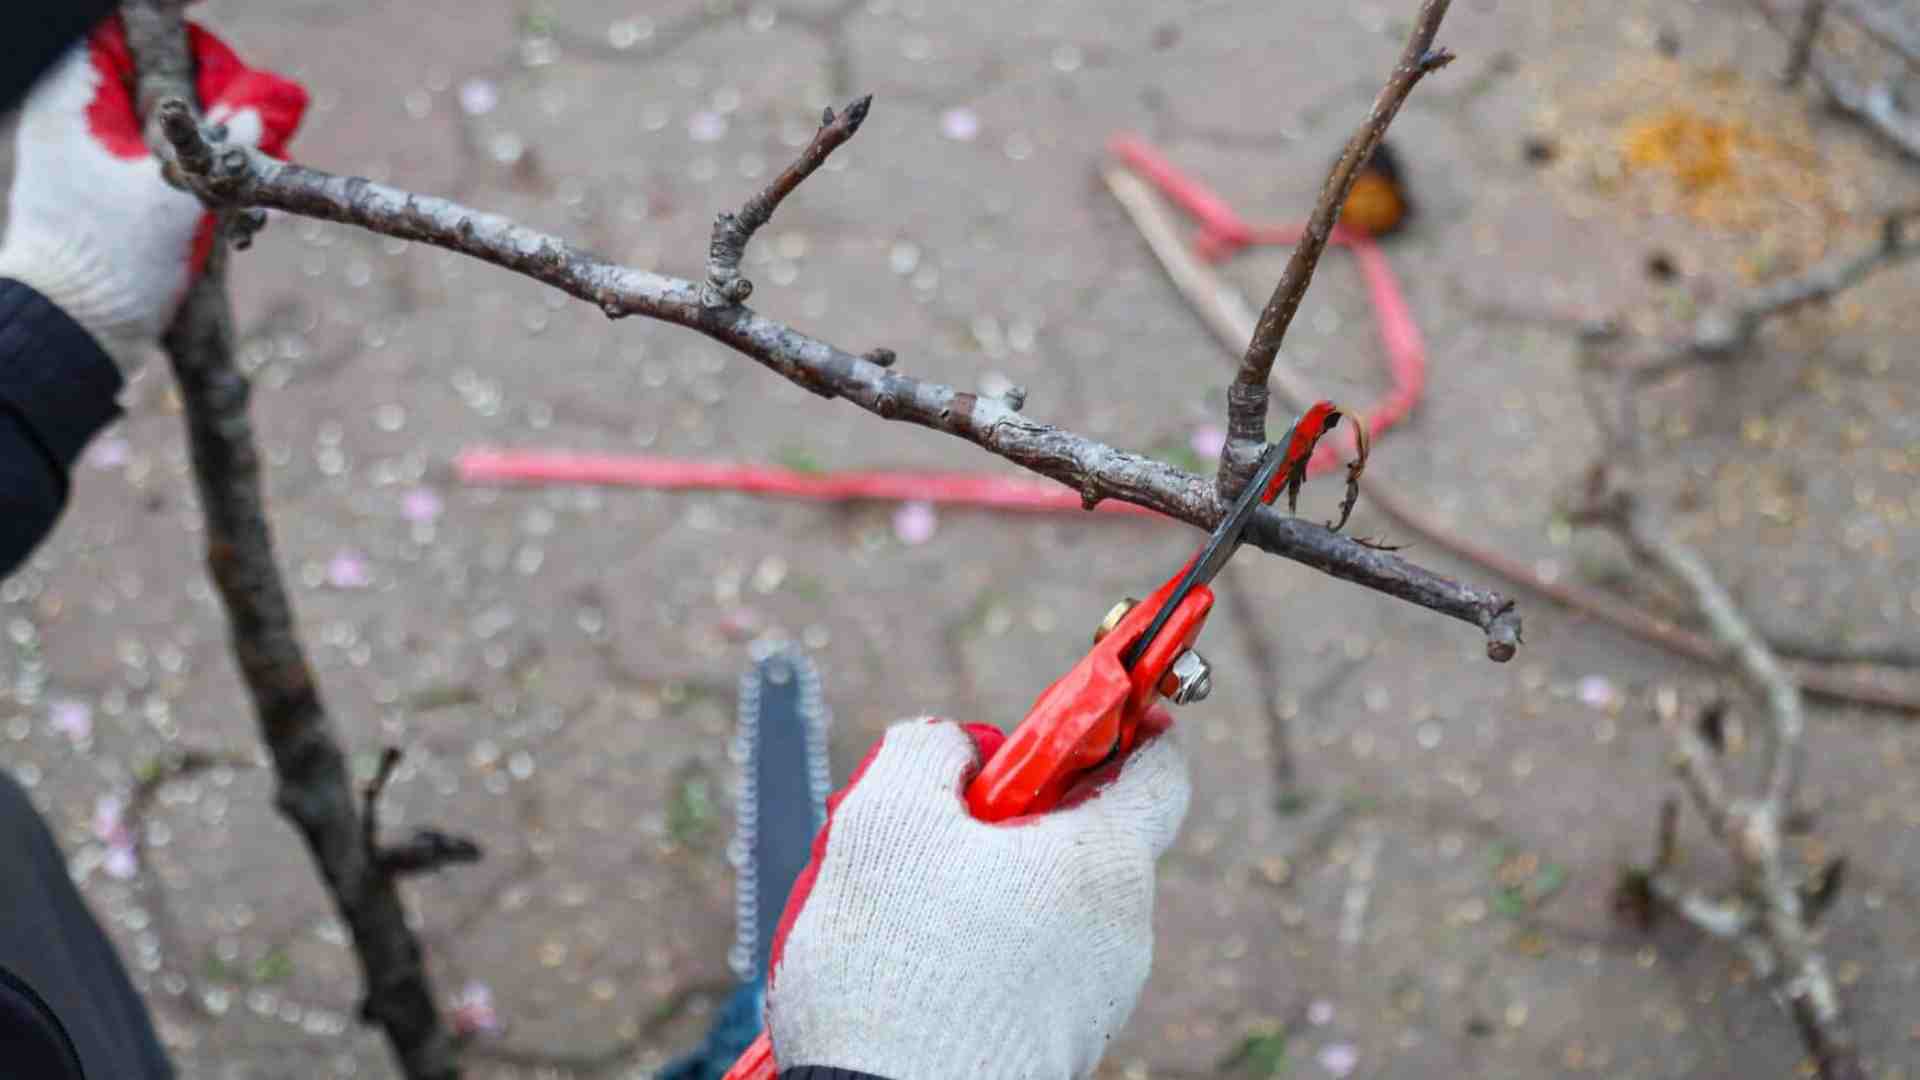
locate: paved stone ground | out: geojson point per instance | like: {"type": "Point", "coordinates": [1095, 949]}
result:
{"type": "Point", "coordinates": [558, 662]}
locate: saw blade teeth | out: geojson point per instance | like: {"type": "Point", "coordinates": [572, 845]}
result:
{"type": "Point", "coordinates": [746, 741]}
{"type": "Point", "coordinates": [819, 721]}
{"type": "Point", "coordinates": [779, 663]}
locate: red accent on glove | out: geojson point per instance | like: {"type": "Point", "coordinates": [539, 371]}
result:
{"type": "Point", "coordinates": [222, 79]}
{"type": "Point", "coordinates": [225, 84]}
{"type": "Point", "coordinates": [802, 885]}
{"type": "Point", "coordinates": [110, 115]}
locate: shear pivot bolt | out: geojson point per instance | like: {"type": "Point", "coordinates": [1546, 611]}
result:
{"type": "Point", "coordinates": [1190, 679]}
{"type": "Point", "coordinates": [1114, 615]}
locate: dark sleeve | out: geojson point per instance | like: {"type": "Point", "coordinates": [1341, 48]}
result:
{"type": "Point", "coordinates": [64, 996]}
{"type": "Point", "coordinates": [57, 389]}
{"type": "Point", "coordinates": [33, 34]}
{"type": "Point", "coordinates": [824, 1072]}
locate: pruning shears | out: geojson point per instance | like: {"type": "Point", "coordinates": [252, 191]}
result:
{"type": "Point", "coordinates": [1142, 652]}
{"type": "Point", "coordinates": [1100, 709]}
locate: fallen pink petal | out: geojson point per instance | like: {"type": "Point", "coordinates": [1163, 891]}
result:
{"type": "Point", "coordinates": [473, 1011]}
{"type": "Point", "coordinates": [1208, 440]}
{"type": "Point", "coordinates": [1319, 1012]}
{"type": "Point", "coordinates": [706, 126]}
{"type": "Point", "coordinates": [741, 624]}
{"type": "Point", "coordinates": [74, 719]}
{"type": "Point", "coordinates": [347, 570]}
{"type": "Point", "coordinates": [109, 818]}
{"type": "Point", "coordinates": [421, 505]}
{"type": "Point", "coordinates": [1338, 1058]}
{"type": "Point", "coordinates": [1596, 692]}
{"type": "Point", "coordinates": [915, 522]}
{"type": "Point", "coordinates": [478, 97]}
{"type": "Point", "coordinates": [109, 453]}
{"type": "Point", "coordinates": [121, 862]}
{"type": "Point", "coordinates": [960, 124]}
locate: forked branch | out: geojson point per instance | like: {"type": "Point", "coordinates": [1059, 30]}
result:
{"type": "Point", "coordinates": [238, 176]}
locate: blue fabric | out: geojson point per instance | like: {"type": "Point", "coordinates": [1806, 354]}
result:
{"type": "Point", "coordinates": [56, 390]}
{"type": "Point", "coordinates": [734, 1028]}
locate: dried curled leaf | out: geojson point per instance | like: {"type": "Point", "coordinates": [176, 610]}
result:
{"type": "Point", "coordinates": [1362, 446]}
{"type": "Point", "coordinates": [1319, 419]}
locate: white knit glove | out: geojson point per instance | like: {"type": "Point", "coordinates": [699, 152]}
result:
{"type": "Point", "coordinates": [91, 225]}
{"type": "Point", "coordinates": [923, 944]}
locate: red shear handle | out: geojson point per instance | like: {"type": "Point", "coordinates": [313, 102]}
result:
{"type": "Point", "coordinates": [1090, 715]}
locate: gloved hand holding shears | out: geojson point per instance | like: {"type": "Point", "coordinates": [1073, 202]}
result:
{"type": "Point", "coordinates": [981, 905]}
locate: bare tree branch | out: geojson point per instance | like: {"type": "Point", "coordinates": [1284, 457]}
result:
{"type": "Point", "coordinates": [1226, 315]}
{"type": "Point", "coordinates": [1875, 105]}
{"type": "Point", "coordinates": [1247, 395]}
{"type": "Point", "coordinates": [1728, 920]}
{"type": "Point", "coordinates": [731, 232]}
{"type": "Point", "coordinates": [1750, 656]}
{"type": "Point", "coordinates": [1769, 919]}
{"type": "Point", "coordinates": [313, 789]}
{"type": "Point", "coordinates": [240, 176]}
{"type": "Point", "coordinates": [1726, 330]}
{"type": "Point", "coordinates": [1800, 48]}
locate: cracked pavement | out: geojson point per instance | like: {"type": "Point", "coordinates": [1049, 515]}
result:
{"type": "Point", "coordinates": [558, 663]}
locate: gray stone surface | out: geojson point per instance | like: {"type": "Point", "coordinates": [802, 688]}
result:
{"type": "Point", "coordinates": [558, 663]}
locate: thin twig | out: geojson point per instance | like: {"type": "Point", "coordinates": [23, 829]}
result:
{"type": "Point", "coordinates": [1800, 49]}
{"type": "Point", "coordinates": [1725, 331]}
{"type": "Point", "coordinates": [177, 764]}
{"type": "Point", "coordinates": [731, 231]}
{"type": "Point", "coordinates": [1769, 919]}
{"type": "Point", "coordinates": [1247, 395]}
{"type": "Point", "coordinates": [1097, 471]}
{"type": "Point", "coordinates": [426, 851]}
{"type": "Point", "coordinates": [1751, 658]}
{"type": "Point", "coordinates": [370, 797]}
{"type": "Point", "coordinates": [1697, 763]}
{"type": "Point", "coordinates": [1796, 645]}
{"type": "Point", "coordinates": [1875, 105]}
{"type": "Point", "coordinates": [1225, 314]}
{"type": "Point", "coordinates": [313, 789]}
{"type": "Point", "coordinates": [1667, 848]}
{"type": "Point", "coordinates": [1729, 920]}
{"type": "Point", "coordinates": [1884, 25]}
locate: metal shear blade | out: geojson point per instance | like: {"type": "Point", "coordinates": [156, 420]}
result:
{"type": "Point", "coordinates": [1220, 546]}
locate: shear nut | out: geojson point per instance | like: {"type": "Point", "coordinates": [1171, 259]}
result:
{"type": "Point", "coordinates": [1190, 679]}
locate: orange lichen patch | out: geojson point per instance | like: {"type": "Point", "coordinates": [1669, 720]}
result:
{"type": "Point", "coordinates": [1734, 155]}
{"type": "Point", "coordinates": [1697, 151]}
{"type": "Point", "coordinates": [1726, 171]}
